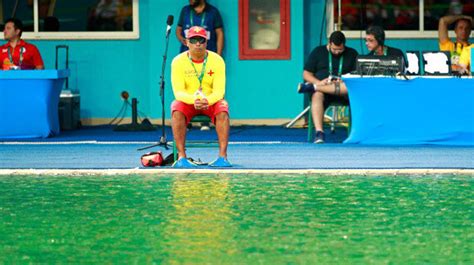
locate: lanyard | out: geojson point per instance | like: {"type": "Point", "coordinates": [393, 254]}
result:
{"type": "Point", "coordinates": [384, 51]}
{"type": "Point", "coordinates": [339, 72]}
{"type": "Point", "coordinates": [199, 76]}
{"type": "Point", "coordinates": [10, 56]}
{"type": "Point", "coordinates": [456, 50]}
{"type": "Point", "coordinates": [203, 18]}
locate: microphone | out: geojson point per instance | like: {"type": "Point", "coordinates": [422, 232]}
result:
{"type": "Point", "coordinates": [169, 22]}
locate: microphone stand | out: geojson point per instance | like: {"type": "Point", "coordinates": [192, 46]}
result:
{"type": "Point", "coordinates": [163, 142]}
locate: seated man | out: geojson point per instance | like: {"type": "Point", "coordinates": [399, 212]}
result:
{"type": "Point", "coordinates": [18, 54]}
{"type": "Point", "coordinates": [462, 29]}
{"type": "Point", "coordinates": [375, 42]}
{"type": "Point", "coordinates": [198, 79]}
{"type": "Point", "coordinates": [322, 72]}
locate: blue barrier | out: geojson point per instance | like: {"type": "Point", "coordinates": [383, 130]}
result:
{"type": "Point", "coordinates": [423, 110]}
{"type": "Point", "coordinates": [29, 102]}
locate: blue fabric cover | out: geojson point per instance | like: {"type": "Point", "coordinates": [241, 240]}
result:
{"type": "Point", "coordinates": [405, 112]}
{"type": "Point", "coordinates": [29, 103]}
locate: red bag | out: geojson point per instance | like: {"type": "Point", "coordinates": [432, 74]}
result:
{"type": "Point", "coordinates": [152, 159]}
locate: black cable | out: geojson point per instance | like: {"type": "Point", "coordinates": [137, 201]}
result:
{"type": "Point", "coordinates": [322, 23]}
{"type": "Point", "coordinates": [139, 113]}
{"type": "Point", "coordinates": [15, 8]}
{"type": "Point", "coordinates": [402, 75]}
{"type": "Point", "coordinates": [122, 112]}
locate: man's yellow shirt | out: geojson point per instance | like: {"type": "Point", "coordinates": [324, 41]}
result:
{"type": "Point", "coordinates": [465, 58]}
{"type": "Point", "coordinates": [451, 47]}
{"type": "Point", "coordinates": [185, 81]}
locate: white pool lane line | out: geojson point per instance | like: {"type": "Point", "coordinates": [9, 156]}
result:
{"type": "Point", "coordinates": [142, 143]}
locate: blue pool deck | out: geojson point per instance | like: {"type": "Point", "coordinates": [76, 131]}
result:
{"type": "Point", "coordinates": [251, 149]}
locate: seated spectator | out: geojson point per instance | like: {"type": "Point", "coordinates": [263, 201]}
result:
{"type": "Point", "coordinates": [198, 80]}
{"type": "Point", "coordinates": [462, 29]}
{"type": "Point", "coordinates": [465, 60]}
{"type": "Point", "coordinates": [17, 53]}
{"type": "Point", "coordinates": [322, 72]}
{"type": "Point", "coordinates": [51, 24]}
{"type": "Point", "coordinates": [106, 14]}
{"type": "Point", "coordinates": [375, 42]}
{"type": "Point", "coordinates": [125, 15]}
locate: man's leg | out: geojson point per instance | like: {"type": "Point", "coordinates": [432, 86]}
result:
{"type": "Point", "coordinates": [317, 110]}
{"type": "Point", "coordinates": [222, 129]}
{"type": "Point", "coordinates": [338, 89]}
{"type": "Point", "coordinates": [178, 125]}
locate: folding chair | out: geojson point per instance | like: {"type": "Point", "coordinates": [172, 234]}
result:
{"type": "Point", "coordinates": [333, 118]}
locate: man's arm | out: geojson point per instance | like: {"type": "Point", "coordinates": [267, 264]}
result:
{"type": "Point", "coordinates": [37, 59]}
{"type": "Point", "coordinates": [309, 77]}
{"type": "Point", "coordinates": [220, 40]}
{"type": "Point", "coordinates": [218, 84]}
{"type": "Point", "coordinates": [179, 27]}
{"type": "Point", "coordinates": [219, 25]}
{"type": "Point", "coordinates": [444, 23]}
{"type": "Point", "coordinates": [179, 36]}
{"type": "Point", "coordinates": [177, 82]}
{"type": "Point", "coordinates": [311, 67]}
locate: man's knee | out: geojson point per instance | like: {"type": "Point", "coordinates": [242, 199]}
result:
{"type": "Point", "coordinates": [178, 116]}
{"type": "Point", "coordinates": [317, 97]}
{"type": "Point", "coordinates": [222, 116]}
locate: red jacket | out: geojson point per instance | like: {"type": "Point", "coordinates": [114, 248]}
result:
{"type": "Point", "coordinates": [27, 53]}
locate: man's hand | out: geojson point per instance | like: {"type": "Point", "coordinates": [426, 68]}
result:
{"type": "Point", "coordinates": [325, 81]}
{"type": "Point", "coordinates": [201, 104]}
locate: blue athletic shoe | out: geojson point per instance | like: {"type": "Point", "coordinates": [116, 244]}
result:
{"type": "Point", "coordinates": [183, 163]}
{"type": "Point", "coordinates": [305, 88]}
{"type": "Point", "coordinates": [320, 137]}
{"type": "Point", "coordinates": [220, 162]}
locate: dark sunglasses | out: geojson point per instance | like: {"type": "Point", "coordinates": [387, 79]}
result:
{"type": "Point", "coordinates": [196, 40]}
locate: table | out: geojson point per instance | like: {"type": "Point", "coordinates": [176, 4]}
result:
{"type": "Point", "coordinates": [423, 110]}
{"type": "Point", "coordinates": [29, 103]}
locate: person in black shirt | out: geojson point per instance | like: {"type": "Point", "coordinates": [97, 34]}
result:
{"type": "Point", "coordinates": [375, 42]}
{"type": "Point", "coordinates": [322, 73]}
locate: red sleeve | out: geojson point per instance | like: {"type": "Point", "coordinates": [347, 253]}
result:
{"type": "Point", "coordinates": [37, 60]}
{"type": "Point", "coordinates": [2, 56]}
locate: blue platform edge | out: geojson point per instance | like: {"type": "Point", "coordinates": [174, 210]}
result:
{"type": "Point", "coordinates": [35, 74]}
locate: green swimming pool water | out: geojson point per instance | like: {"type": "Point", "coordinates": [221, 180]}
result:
{"type": "Point", "coordinates": [237, 219]}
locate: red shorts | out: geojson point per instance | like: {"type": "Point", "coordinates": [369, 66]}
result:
{"type": "Point", "coordinates": [189, 111]}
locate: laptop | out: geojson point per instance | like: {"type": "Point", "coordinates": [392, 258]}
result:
{"type": "Point", "coordinates": [379, 65]}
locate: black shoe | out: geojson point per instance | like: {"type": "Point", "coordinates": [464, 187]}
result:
{"type": "Point", "coordinates": [305, 88]}
{"type": "Point", "coordinates": [319, 139]}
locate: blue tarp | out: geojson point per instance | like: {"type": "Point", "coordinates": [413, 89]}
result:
{"type": "Point", "coordinates": [417, 111]}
